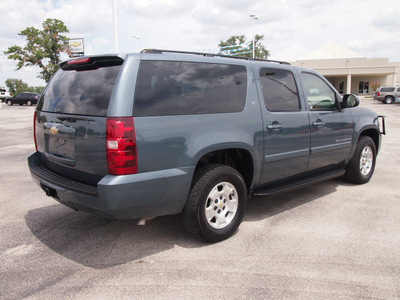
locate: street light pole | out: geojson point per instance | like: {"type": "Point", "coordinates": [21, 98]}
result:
{"type": "Point", "coordinates": [115, 25]}
{"type": "Point", "coordinates": [136, 37]}
{"type": "Point", "coordinates": [254, 17]}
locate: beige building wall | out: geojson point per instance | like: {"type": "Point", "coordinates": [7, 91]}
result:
{"type": "Point", "coordinates": [355, 75]}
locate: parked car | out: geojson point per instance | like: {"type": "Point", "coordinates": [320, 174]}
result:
{"type": "Point", "coordinates": [375, 92]}
{"type": "Point", "coordinates": [24, 98]}
{"type": "Point", "coordinates": [4, 94]}
{"type": "Point", "coordinates": [387, 94]}
{"type": "Point", "coordinates": [164, 132]}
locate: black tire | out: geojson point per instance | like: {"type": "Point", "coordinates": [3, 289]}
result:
{"type": "Point", "coordinates": [388, 100]}
{"type": "Point", "coordinates": [230, 209]}
{"type": "Point", "coordinates": [9, 103]}
{"type": "Point", "coordinates": [362, 165]}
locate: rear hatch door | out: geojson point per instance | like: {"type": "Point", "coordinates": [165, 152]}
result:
{"type": "Point", "coordinates": [70, 121]}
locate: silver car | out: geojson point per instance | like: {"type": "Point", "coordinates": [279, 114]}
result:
{"type": "Point", "coordinates": [387, 94]}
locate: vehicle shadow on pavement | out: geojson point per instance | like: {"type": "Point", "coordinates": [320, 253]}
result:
{"type": "Point", "coordinates": [101, 243]}
{"type": "Point", "coordinates": [263, 207]}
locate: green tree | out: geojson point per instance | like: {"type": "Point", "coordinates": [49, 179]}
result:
{"type": "Point", "coordinates": [16, 86]}
{"type": "Point", "coordinates": [43, 48]}
{"type": "Point", "coordinates": [236, 45]}
{"type": "Point", "coordinates": [36, 89]}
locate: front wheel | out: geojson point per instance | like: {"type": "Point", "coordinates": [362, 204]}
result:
{"type": "Point", "coordinates": [362, 165]}
{"type": "Point", "coordinates": [216, 203]}
{"type": "Point", "coordinates": [9, 102]}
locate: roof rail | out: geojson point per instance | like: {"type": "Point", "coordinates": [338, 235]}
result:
{"type": "Point", "coordinates": [159, 51]}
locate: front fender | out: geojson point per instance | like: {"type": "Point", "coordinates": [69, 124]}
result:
{"type": "Point", "coordinates": [366, 122]}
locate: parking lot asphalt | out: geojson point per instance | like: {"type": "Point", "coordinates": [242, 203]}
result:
{"type": "Point", "coordinates": [330, 241]}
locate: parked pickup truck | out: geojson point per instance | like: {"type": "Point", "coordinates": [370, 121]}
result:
{"type": "Point", "coordinates": [194, 134]}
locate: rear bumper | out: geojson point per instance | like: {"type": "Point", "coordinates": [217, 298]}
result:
{"type": "Point", "coordinates": [118, 197]}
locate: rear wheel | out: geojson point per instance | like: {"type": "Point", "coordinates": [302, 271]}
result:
{"type": "Point", "coordinates": [388, 100]}
{"type": "Point", "coordinates": [216, 203]}
{"type": "Point", "coordinates": [9, 102]}
{"type": "Point", "coordinates": [29, 103]}
{"type": "Point", "coordinates": [362, 165]}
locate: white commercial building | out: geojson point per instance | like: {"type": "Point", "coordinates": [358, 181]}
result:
{"type": "Point", "coordinates": [350, 72]}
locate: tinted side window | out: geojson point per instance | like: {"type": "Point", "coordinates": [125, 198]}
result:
{"type": "Point", "coordinates": [318, 94]}
{"type": "Point", "coordinates": [279, 90]}
{"type": "Point", "coordinates": [386, 90]}
{"type": "Point", "coordinates": [80, 92]}
{"type": "Point", "coordinates": [181, 88]}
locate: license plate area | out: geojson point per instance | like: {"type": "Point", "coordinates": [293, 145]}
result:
{"type": "Point", "coordinates": [61, 146]}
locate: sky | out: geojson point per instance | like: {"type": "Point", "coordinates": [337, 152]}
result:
{"type": "Point", "coordinates": [291, 28]}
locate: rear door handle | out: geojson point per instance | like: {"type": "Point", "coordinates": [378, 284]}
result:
{"type": "Point", "coordinates": [275, 126]}
{"type": "Point", "coordinates": [319, 123]}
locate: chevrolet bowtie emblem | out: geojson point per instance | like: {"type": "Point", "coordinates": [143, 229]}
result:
{"type": "Point", "coordinates": [53, 130]}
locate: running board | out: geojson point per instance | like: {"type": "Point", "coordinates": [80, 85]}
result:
{"type": "Point", "coordinates": [294, 185]}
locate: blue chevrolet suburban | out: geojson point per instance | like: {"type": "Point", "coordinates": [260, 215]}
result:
{"type": "Point", "coordinates": [168, 132]}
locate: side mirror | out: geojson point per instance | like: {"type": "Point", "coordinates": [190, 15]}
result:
{"type": "Point", "coordinates": [350, 100]}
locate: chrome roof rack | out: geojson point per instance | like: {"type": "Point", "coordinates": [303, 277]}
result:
{"type": "Point", "coordinates": [159, 51]}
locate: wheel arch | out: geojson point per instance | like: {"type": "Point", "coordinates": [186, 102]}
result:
{"type": "Point", "coordinates": [388, 97]}
{"type": "Point", "coordinates": [372, 133]}
{"type": "Point", "coordinates": [237, 158]}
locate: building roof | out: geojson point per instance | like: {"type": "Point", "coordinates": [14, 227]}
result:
{"type": "Point", "coordinates": [331, 51]}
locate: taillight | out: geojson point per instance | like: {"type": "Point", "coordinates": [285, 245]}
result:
{"type": "Point", "coordinates": [121, 146]}
{"type": "Point", "coordinates": [34, 129]}
{"type": "Point", "coordinates": [378, 93]}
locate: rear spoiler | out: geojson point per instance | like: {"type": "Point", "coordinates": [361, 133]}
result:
{"type": "Point", "coordinates": [90, 63]}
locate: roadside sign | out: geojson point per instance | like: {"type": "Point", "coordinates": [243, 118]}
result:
{"type": "Point", "coordinates": [76, 47]}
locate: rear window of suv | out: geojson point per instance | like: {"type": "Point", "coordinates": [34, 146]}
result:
{"type": "Point", "coordinates": [80, 92]}
{"type": "Point", "coordinates": [181, 88]}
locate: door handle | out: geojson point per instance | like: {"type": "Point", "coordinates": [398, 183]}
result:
{"type": "Point", "coordinates": [319, 123]}
{"type": "Point", "coordinates": [275, 126]}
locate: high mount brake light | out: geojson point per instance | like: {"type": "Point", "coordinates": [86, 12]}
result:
{"type": "Point", "coordinates": [76, 61]}
{"type": "Point", "coordinates": [121, 146]}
